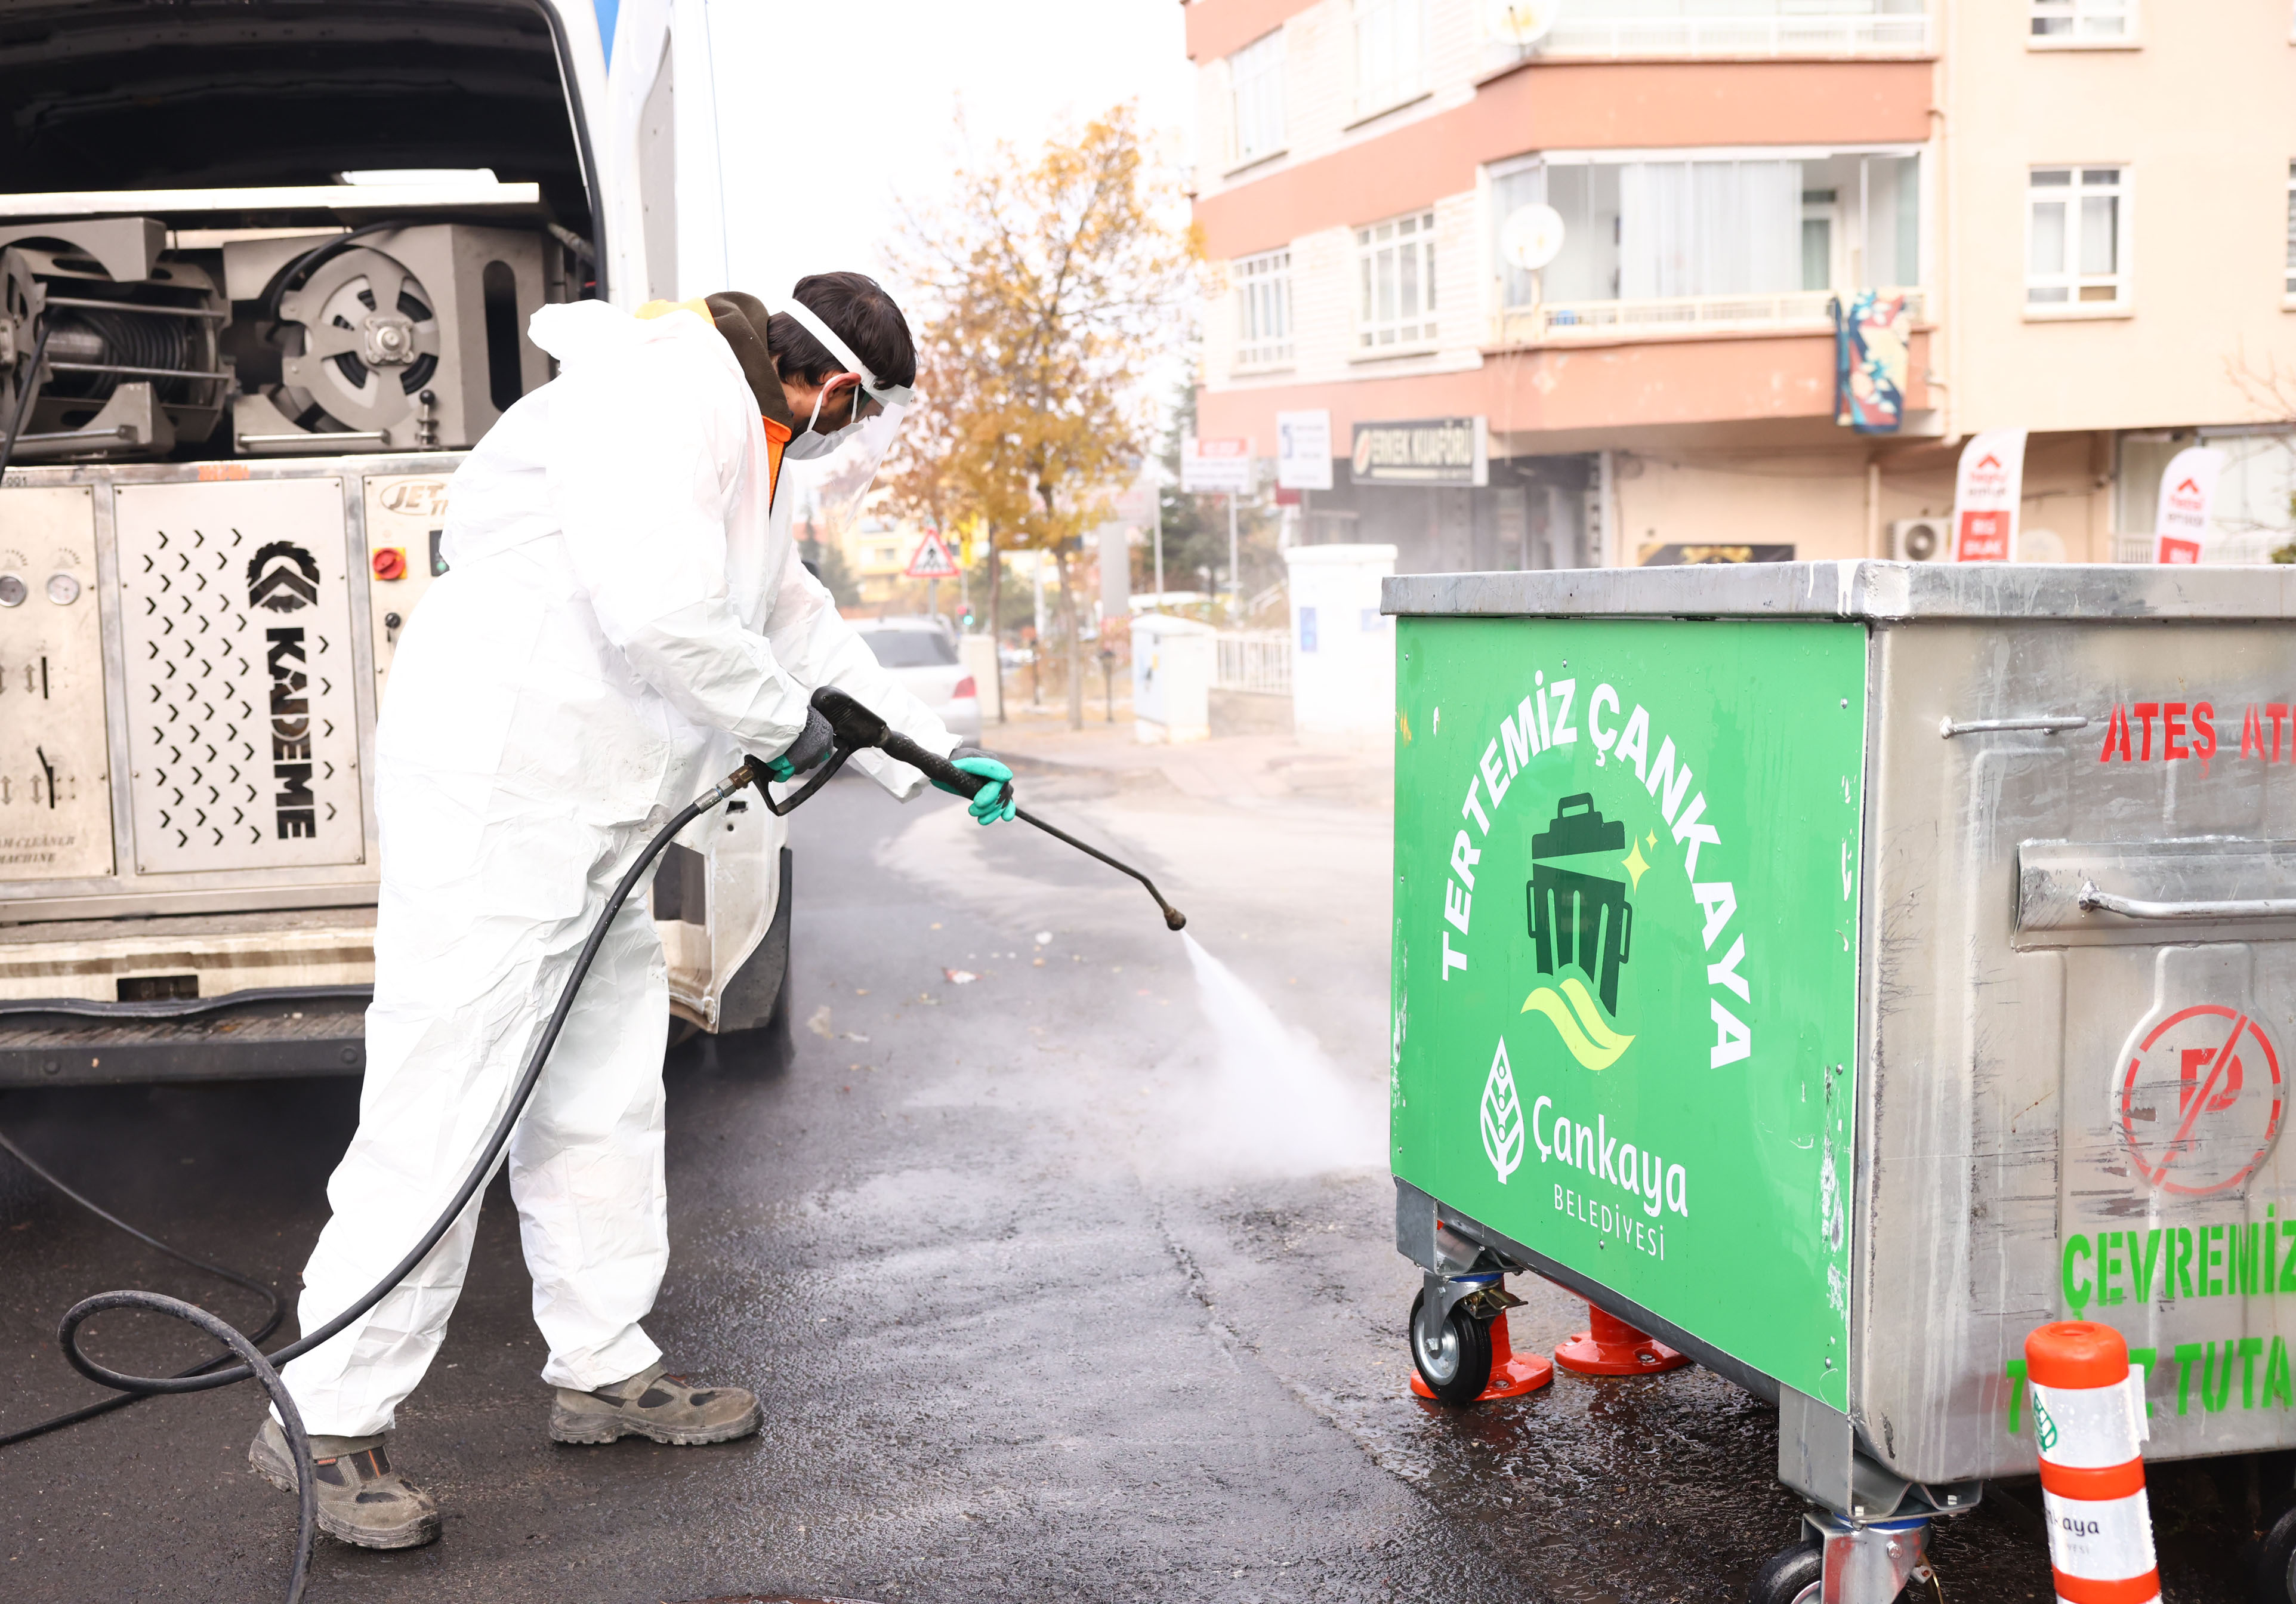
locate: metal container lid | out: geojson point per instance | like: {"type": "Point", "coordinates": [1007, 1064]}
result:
{"type": "Point", "coordinates": [1881, 591]}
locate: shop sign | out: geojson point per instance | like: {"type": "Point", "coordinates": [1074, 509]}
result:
{"type": "Point", "coordinates": [1216, 467]}
{"type": "Point", "coordinates": [1985, 495]}
{"type": "Point", "coordinates": [1672, 554]}
{"type": "Point", "coordinates": [1303, 450]}
{"type": "Point", "coordinates": [1423, 451]}
{"type": "Point", "coordinates": [2181, 520]}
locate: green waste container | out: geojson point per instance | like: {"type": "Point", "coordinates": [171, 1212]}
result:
{"type": "Point", "coordinates": [1837, 970]}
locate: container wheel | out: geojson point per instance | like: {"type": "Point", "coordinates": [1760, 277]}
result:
{"type": "Point", "coordinates": [1797, 1576]}
{"type": "Point", "coordinates": [1455, 1362]}
{"type": "Point", "coordinates": [2275, 1561]}
{"type": "Point", "coordinates": [1792, 1577]}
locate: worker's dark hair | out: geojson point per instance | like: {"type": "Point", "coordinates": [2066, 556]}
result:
{"type": "Point", "coordinates": [857, 307]}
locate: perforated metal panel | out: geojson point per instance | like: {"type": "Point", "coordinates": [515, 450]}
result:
{"type": "Point", "coordinates": [242, 729]}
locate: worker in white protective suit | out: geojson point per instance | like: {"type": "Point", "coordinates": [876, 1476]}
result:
{"type": "Point", "coordinates": [623, 617]}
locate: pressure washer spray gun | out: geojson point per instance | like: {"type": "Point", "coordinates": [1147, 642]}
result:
{"type": "Point", "coordinates": [841, 726]}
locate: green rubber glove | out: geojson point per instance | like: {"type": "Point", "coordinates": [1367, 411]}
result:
{"type": "Point", "coordinates": [992, 802]}
{"type": "Point", "coordinates": [812, 745]}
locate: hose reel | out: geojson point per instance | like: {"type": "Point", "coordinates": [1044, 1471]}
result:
{"type": "Point", "coordinates": [126, 338]}
{"type": "Point", "coordinates": [364, 341]}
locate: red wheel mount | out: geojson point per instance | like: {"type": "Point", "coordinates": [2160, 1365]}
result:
{"type": "Point", "coordinates": [1609, 1346]}
{"type": "Point", "coordinates": [1513, 1374]}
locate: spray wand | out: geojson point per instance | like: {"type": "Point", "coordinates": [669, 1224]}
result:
{"type": "Point", "coordinates": [848, 727]}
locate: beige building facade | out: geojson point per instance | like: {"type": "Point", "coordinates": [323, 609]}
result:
{"type": "Point", "coordinates": [2088, 205]}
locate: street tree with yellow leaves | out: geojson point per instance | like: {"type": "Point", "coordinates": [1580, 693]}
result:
{"type": "Point", "coordinates": [1050, 286]}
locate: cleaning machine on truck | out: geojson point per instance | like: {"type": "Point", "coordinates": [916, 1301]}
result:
{"type": "Point", "coordinates": [266, 269]}
{"type": "Point", "coordinates": [1836, 972]}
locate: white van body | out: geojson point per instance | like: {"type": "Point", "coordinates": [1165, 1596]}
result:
{"type": "Point", "coordinates": [224, 503]}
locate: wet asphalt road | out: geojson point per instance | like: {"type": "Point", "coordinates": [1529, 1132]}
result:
{"type": "Point", "coordinates": [1038, 1308]}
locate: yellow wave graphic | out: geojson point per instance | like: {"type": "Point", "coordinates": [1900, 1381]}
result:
{"type": "Point", "coordinates": [1578, 1022]}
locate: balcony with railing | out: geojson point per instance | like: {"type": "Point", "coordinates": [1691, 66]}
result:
{"type": "Point", "coordinates": [1562, 322]}
{"type": "Point", "coordinates": [1577, 36]}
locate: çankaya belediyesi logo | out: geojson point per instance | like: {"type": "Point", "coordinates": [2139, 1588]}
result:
{"type": "Point", "coordinates": [1581, 919]}
{"type": "Point", "coordinates": [1585, 891]}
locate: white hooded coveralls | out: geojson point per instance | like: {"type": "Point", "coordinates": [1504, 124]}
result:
{"type": "Point", "coordinates": [623, 616]}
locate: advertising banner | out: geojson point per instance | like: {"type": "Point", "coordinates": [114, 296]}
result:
{"type": "Point", "coordinates": [1872, 341]}
{"type": "Point", "coordinates": [1985, 495]}
{"type": "Point", "coordinates": [1216, 467]}
{"type": "Point", "coordinates": [1422, 451]}
{"type": "Point", "coordinates": [1303, 450]}
{"type": "Point", "coordinates": [2187, 488]}
{"type": "Point", "coordinates": [1625, 962]}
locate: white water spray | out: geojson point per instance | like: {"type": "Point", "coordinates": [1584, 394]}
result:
{"type": "Point", "coordinates": [1276, 1103]}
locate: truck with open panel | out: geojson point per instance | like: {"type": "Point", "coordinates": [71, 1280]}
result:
{"type": "Point", "coordinates": [265, 267]}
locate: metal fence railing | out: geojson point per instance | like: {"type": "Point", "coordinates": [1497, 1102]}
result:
{"type": "Point", "coordinates": [1555, 322]}
{"type": "Point", "coordinates": [1874, 34]}
{"type": "Point", "coordinates": [1255, 660]}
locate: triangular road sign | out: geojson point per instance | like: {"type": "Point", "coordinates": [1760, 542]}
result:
{"type": "Point", "coordinates": [933, 560]}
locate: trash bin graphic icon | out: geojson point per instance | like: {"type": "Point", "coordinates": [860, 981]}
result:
{"type": "Point", "coordinates": [1577, 918]}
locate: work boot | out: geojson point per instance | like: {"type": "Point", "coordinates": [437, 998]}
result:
{"type": "Point", "coordinates": [651, 1404]}
{"type": "Point", "coordinates": [362, 1500]}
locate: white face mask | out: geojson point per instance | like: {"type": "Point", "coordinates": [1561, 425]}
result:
{"type": "Point", "coordinates": [808, 445]}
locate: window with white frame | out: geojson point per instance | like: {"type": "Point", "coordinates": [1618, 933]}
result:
{"type": "Point", "coordinates": [1395, 263]}
{"type": "Point", "coordinates": [1391, 53]}
{"type": "Point", "coordinates": [1255, 77]}
{"type": "Point", "coordinates": [1263, 308]}
{"type": "Point", "coordinates": [2292, 230]}
{"type": "Point", "coordinates": [2084, 20]}
{"type": "Point", "coordinates": [1697, 227]}
{"type": "Point", "coordinates": [2076, 244]}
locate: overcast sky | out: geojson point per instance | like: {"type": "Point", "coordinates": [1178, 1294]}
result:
{"type": "Point", "coordinates": [856, 104]}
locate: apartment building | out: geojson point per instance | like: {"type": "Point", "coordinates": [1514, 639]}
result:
{"type": "Point", "coordinates": [2088, 208]}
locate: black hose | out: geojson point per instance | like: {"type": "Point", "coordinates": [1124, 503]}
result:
{"type": "Point", "coordinates": [858, 727]}
{"type": "Point", "coordinates": [309, 261]}
{"type": "Point", "coordinates": [122, 1399]}
{"type": "Point", "coordinates": [256, 1364]}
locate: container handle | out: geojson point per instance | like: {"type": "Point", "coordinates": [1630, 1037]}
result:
{"type": "Point", "coordinates": [2093, 900]}
{"type": "Point", "coordinates": [1947, 729]}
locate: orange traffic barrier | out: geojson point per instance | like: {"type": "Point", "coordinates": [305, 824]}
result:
{"type": "Point", "coordinates": [2088, 1421]}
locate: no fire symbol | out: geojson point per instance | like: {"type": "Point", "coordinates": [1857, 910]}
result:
{"type": "Point", "coordinates": [2199, 1099]}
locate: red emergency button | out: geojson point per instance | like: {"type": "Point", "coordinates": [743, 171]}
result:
{"type": "Point", "coordinates": [390, 563]}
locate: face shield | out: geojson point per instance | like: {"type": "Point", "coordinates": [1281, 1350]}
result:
{"type": "Point", "coordinates": [839, 467]}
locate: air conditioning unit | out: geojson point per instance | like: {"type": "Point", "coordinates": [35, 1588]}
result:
{"type": "Point", "coordinates": [1922, 540]}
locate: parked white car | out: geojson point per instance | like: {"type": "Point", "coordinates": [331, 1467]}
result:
{"type": "Point", "coordinates": [921, 655]}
